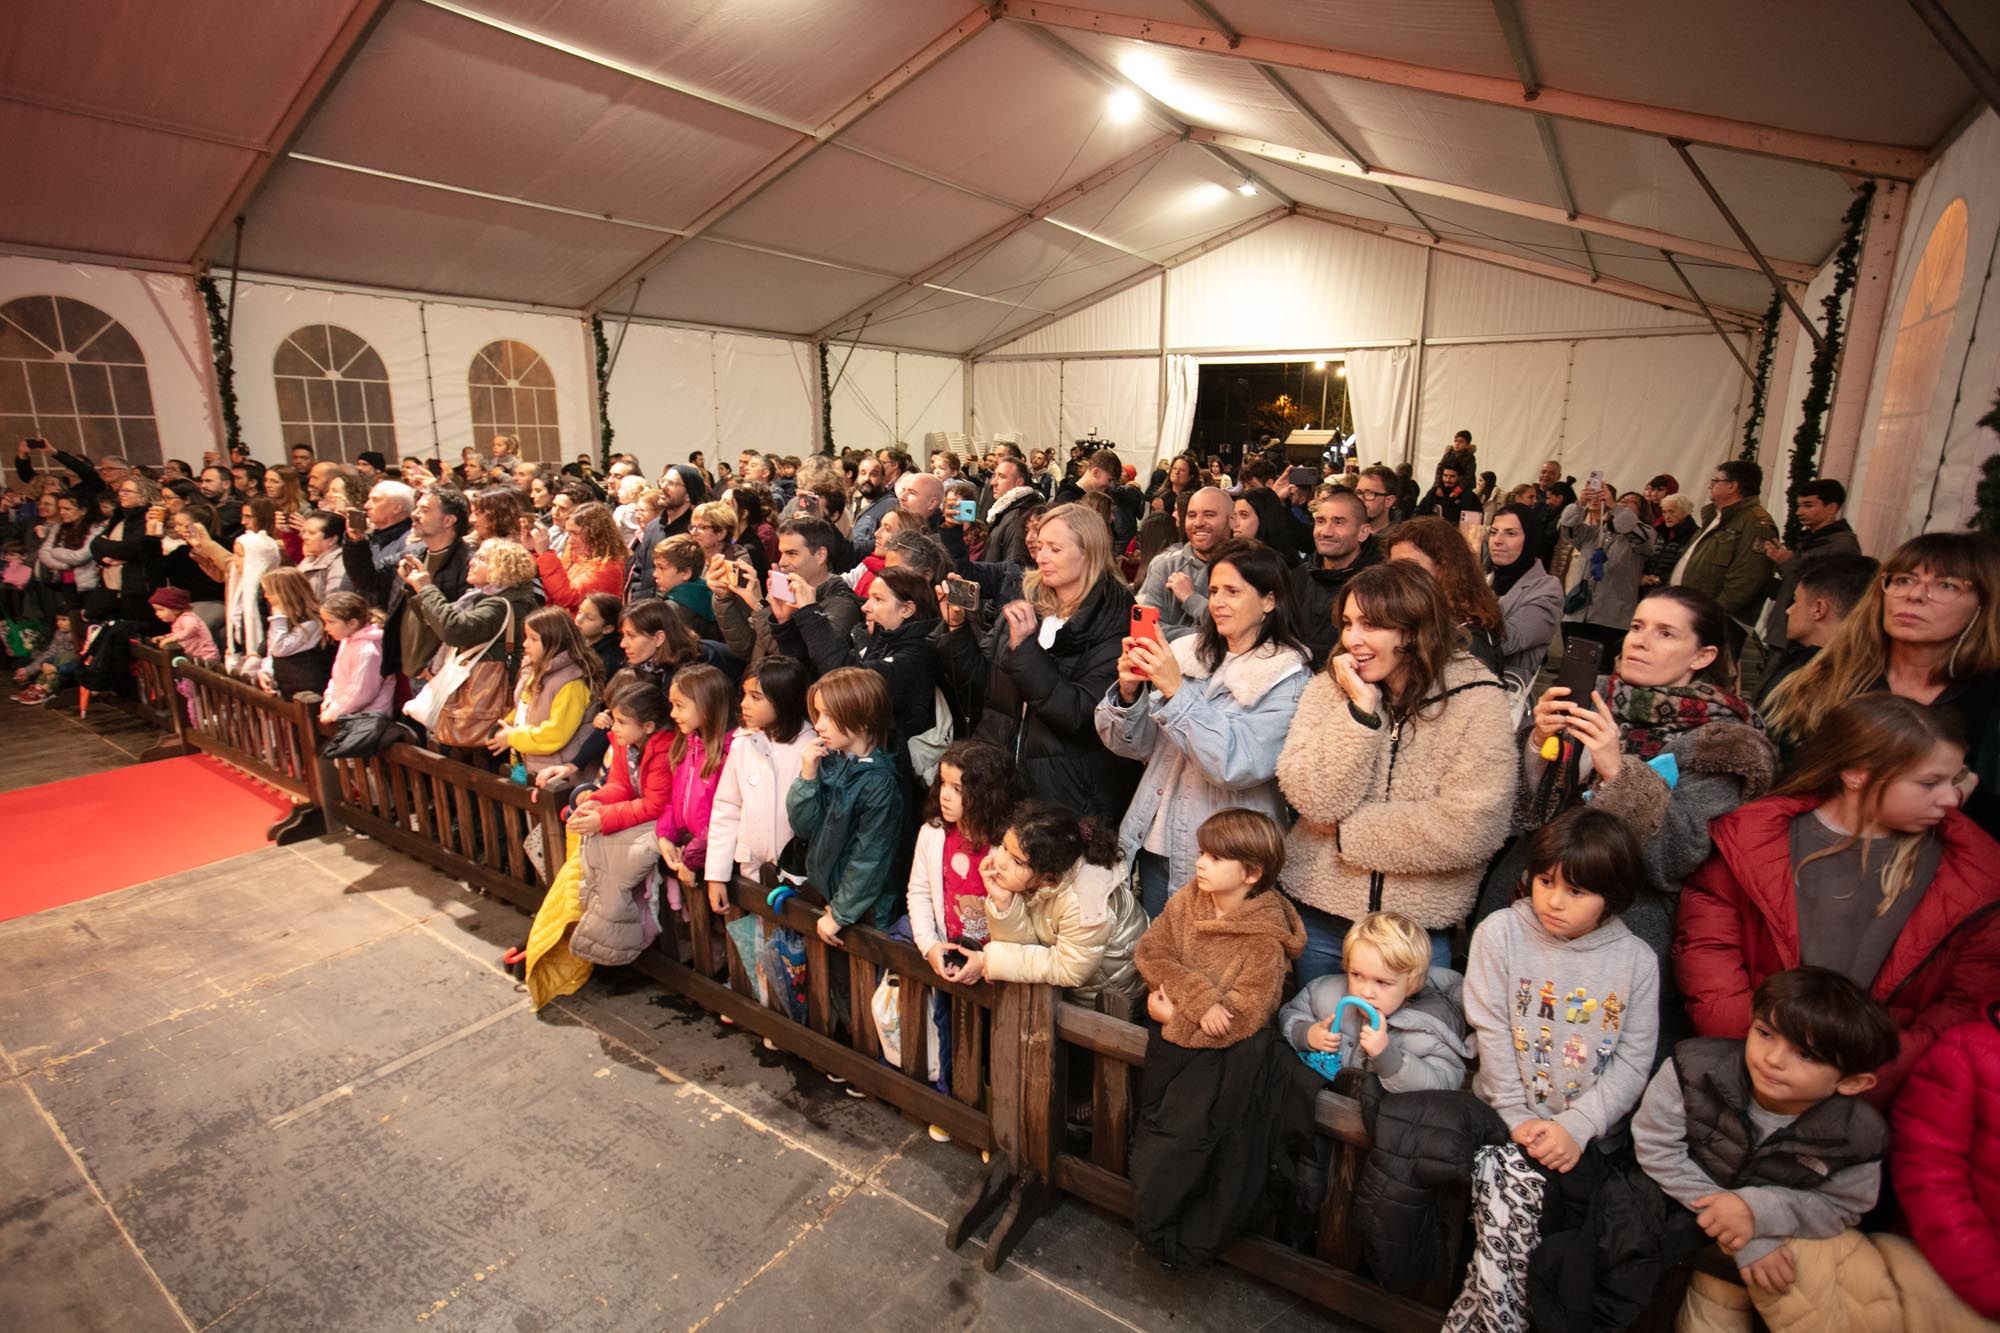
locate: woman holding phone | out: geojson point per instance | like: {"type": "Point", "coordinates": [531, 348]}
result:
{"type": "Point", "coordinates": [1208, 714]}
{"type": "Point", "coordinates": [1663, 742]}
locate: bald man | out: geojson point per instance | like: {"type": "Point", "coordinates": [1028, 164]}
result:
{"type": "Point", "coordinates": [1177, 581]}
{"type": "Point", "coordinates": [922, 492]}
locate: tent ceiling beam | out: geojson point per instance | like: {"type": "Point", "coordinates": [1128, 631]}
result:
{"type": "Point", "coordinates": [1960, 48]}
{"type": "Point", "coordinates": [354, 30]}
{"type": "Point", "coordinates": [128, 120]}
{"type": "Point", "coordinates": [979, 246]}
{"type": "Point", "coordinates": [1541, 268]}
{"type": "Point", "coordinates": [1743, 235]}
{"type": "Point", "coordinates": [1714, 323]}
{"type": "Point", "coordinates": [518, 201]}
{"type": "Point", "coordinates": [873, 96]}
{"type": "Point", "coordinates": [1515, 30]}
{"type": "Point", "coordinates": [1327, 164]}
{"type": "Point", "coordinates": [1299, 104]}
{"type": "Point", "coordinates": [1895, 161]}
{"type": "Point", "coordinates": [1215, 242]}
{"type": "Point", "coordinates": [99, 257]}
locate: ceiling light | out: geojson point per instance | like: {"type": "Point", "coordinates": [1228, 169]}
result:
{"type": "Point", "coordinates": [1341, 370]}
{"type": "Point", "coordinates": [1247, 188]}
{"type": "Point", "coordinates": [1125, 106]}
{"type": "Point", "coordinates": [1319, 365]}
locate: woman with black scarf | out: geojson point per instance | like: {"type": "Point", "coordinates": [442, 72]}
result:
{"type": "Point", "coordinates": [1531, 598]}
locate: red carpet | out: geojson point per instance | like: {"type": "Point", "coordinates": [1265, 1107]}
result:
{"type": "Point", "coordinates": [67, 841]}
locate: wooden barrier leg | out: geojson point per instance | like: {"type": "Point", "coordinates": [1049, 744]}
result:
{"type": "Point", "coordinates": [303, 824]}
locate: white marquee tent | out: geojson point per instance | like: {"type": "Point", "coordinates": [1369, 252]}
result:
{"type": "Point", "coordinates": [1018, 218]}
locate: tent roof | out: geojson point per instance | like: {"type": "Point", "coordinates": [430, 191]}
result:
{"type": "Point", "coordinates": [930, 175]}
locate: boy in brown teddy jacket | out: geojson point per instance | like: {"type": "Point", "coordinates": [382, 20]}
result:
{"type": "Point", "coordinates": [1217, 960]}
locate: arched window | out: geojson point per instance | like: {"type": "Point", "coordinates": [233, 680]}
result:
{"type": "Point", "coordinates": [72, 375]}
{"type": "Point", "coordinates": [333, 393]}
{"type": "Point", "coordinates": [513, 393]}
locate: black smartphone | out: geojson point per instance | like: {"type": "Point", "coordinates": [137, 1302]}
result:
{"type": "Point", "coordinates": [35, 442]}
{"type": "Point", "coordinates": [1582, 660]}
{"type": "Point", "coordinates": [961, 594]}
{"type": "Point", "coordinates": [1304, 478]}
{"type": "Point", "coordinates": [809, 504]}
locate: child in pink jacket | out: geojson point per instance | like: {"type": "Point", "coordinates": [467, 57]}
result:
{"type": "Point", "coordinates": [188, 631]}
{"type": "Point", "coordinates": [357, 684]}
{"type": "Point", "coordinates": [702, 704]}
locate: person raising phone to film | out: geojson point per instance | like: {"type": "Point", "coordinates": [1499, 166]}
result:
{"type": "Point", "coordinates": [1207, 713]}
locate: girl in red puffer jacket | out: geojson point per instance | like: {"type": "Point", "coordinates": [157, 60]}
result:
{"type": "Point", "coordinates": [1944, 1156]}
{"type": "Point", "coordinates": [1863, 863]}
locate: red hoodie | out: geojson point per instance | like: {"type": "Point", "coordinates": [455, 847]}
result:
{"type": "Point", "coordinates": [1739, 923]}
{"type": "Point", "coordinates": [1945, 1158]}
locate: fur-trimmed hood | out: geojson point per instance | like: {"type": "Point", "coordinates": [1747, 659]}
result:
{"type": "Point", "coordinates": [1020, 495]}
{"type": "Point", "coordinates": [1251, 676]}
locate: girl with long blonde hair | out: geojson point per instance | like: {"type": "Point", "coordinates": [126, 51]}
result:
{"type": "Point", "coordinates": [1862, 862]}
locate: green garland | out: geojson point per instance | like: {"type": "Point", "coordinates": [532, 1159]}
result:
{"type": "Point", "coordinates": [825, 402]}
{"type": "Point", "coordinates": [1986, 510]}
{"type": "Point", "coordinates": [1819, 385]}
{"type": "Point", "coordinates": [604, 431]}
{"type": "Point", "coordinates": [1753, 420]}
{"type": "Point", "coordinates": [225, 369]}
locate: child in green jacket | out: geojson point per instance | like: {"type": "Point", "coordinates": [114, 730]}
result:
{"type": "Point", "coordinates": [849, 802]}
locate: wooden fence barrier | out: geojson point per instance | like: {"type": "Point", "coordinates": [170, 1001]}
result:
{"type": "Point", "coordinates": [462, 820]}
{"type": "Point", "coordinates": [274, 740]}
{"type": "Point", "coordinates": [1116, 1049]}
{"type": "Point", "coordinates": [1011, 1044]}
{"type": "Point", "coordinates": [157, 701]}
{"type": "Point", "coordinates": [839, 1036]}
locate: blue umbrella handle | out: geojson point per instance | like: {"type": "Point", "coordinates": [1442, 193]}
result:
{"type": "Point", "coordinates": [1368, 1010]}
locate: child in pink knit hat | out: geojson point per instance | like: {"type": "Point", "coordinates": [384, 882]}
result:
{"type": "Point", "coordinates": [189, 632]}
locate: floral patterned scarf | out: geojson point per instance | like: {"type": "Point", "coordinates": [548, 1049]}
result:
{"type": "Point", "coordinates": [1650, 716]}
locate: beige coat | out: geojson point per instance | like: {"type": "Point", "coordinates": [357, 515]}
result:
{"type": "Point", "coordinates": [1404, 815]}
{"type": "Point", "coordinates": [1078, 934]}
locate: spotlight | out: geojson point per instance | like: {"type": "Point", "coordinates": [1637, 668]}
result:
{"type": "Point", "coordinates": [1125, 106]}
{"type": "Point", "coordinates": [1247, 188]}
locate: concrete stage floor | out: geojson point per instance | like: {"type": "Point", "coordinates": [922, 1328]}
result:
{"type": "Point", "coordinates": [293, 1090]}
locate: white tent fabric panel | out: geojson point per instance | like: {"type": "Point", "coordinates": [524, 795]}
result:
{"type": "Point", "coordinates": [764, 394]}
{"type": "Point", "coordinates": [930, 395]}
{"type": "Point", "coordinates": [1298, 284]}
{"type": "Point", "coordinates": [1172, 203]}
{"type": "Point", "coordinates": [1127, 321]}
{"type": "Point", "coordinates": [1382, 388]}
{"type": "Point", "coordinates": [1118, 400]}
{"type": "Point", "coordinates": [1951, 441]}
{"type": "Point", "coordinates": [966, 120]}
{"type": "Point", "coordinates": [1509, 395]}
{"type": "Point", "coordinates": [458, 332]}
{"type": "Point", "coordinates": [708, 283]}
{"type": "Point", "coordinates": [662, 399]}
{"type": "Point", "coordinates": [1471, 299]}
{"type": "Point", "coordinates": [1649, 405]}
{"type": "Point", "coordinates": [1019, 398]}
{"type": "Point", "coordinates": [268, 313]}
{"type": "Point", "coordinates": [864, 397]}
{"type": "Point", "coordinates": [164, 316]}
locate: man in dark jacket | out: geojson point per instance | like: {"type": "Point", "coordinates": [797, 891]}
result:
{"type": "Point", "coordinates": [1007, 520]}
{"type": "Point", "coordinates": [755, 626]}
{"type": "Point", "coordinates": [1448, 499]}
{"type": "Point", "coordinates": [682, 487]}
{"type": "Point", "coordinates": [376, 535]}
{"type": "Point", "coordinates": [1341, 549]}
{"type": "Point", "coordinates": [1822, 531]}
{"type": "Point", "coordinates": [1103, 474]}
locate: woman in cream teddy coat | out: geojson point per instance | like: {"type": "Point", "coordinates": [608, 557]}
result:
{"type": "Point", "coordinates": [1401, 801]}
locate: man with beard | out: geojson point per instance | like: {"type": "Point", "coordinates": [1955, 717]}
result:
{"type": "Point", "coordinates": [871, 500]}
{"type": "Point", "coordinates": [681, 489]}
{"type": "Point", "coordinates": [1341, 549]}
{"type": "Point", "coordinates": [1177, 580]}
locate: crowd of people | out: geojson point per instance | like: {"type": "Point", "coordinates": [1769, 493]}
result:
{"type": "Point", "coordinates": [1701, 939]}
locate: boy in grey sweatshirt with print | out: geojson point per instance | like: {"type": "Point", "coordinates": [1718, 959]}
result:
{"type": "Point", "coordinates": [1562, 998]}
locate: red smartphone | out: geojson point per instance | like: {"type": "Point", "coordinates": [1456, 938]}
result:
{"type": "Point", "coordinates": [1146, 624]}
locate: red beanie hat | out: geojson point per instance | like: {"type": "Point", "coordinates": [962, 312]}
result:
{"type": "Point", "coordinates": [173, 599]}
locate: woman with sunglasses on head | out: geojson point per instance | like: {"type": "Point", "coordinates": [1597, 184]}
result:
{"type": "Point", "coordinates": [1929, 631]}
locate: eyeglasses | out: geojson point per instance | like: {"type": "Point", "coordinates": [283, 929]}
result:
{"type": "Point", "coordinates": [1934, 590]}
{"type": "Point", "coordinates": [1372, 495]}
